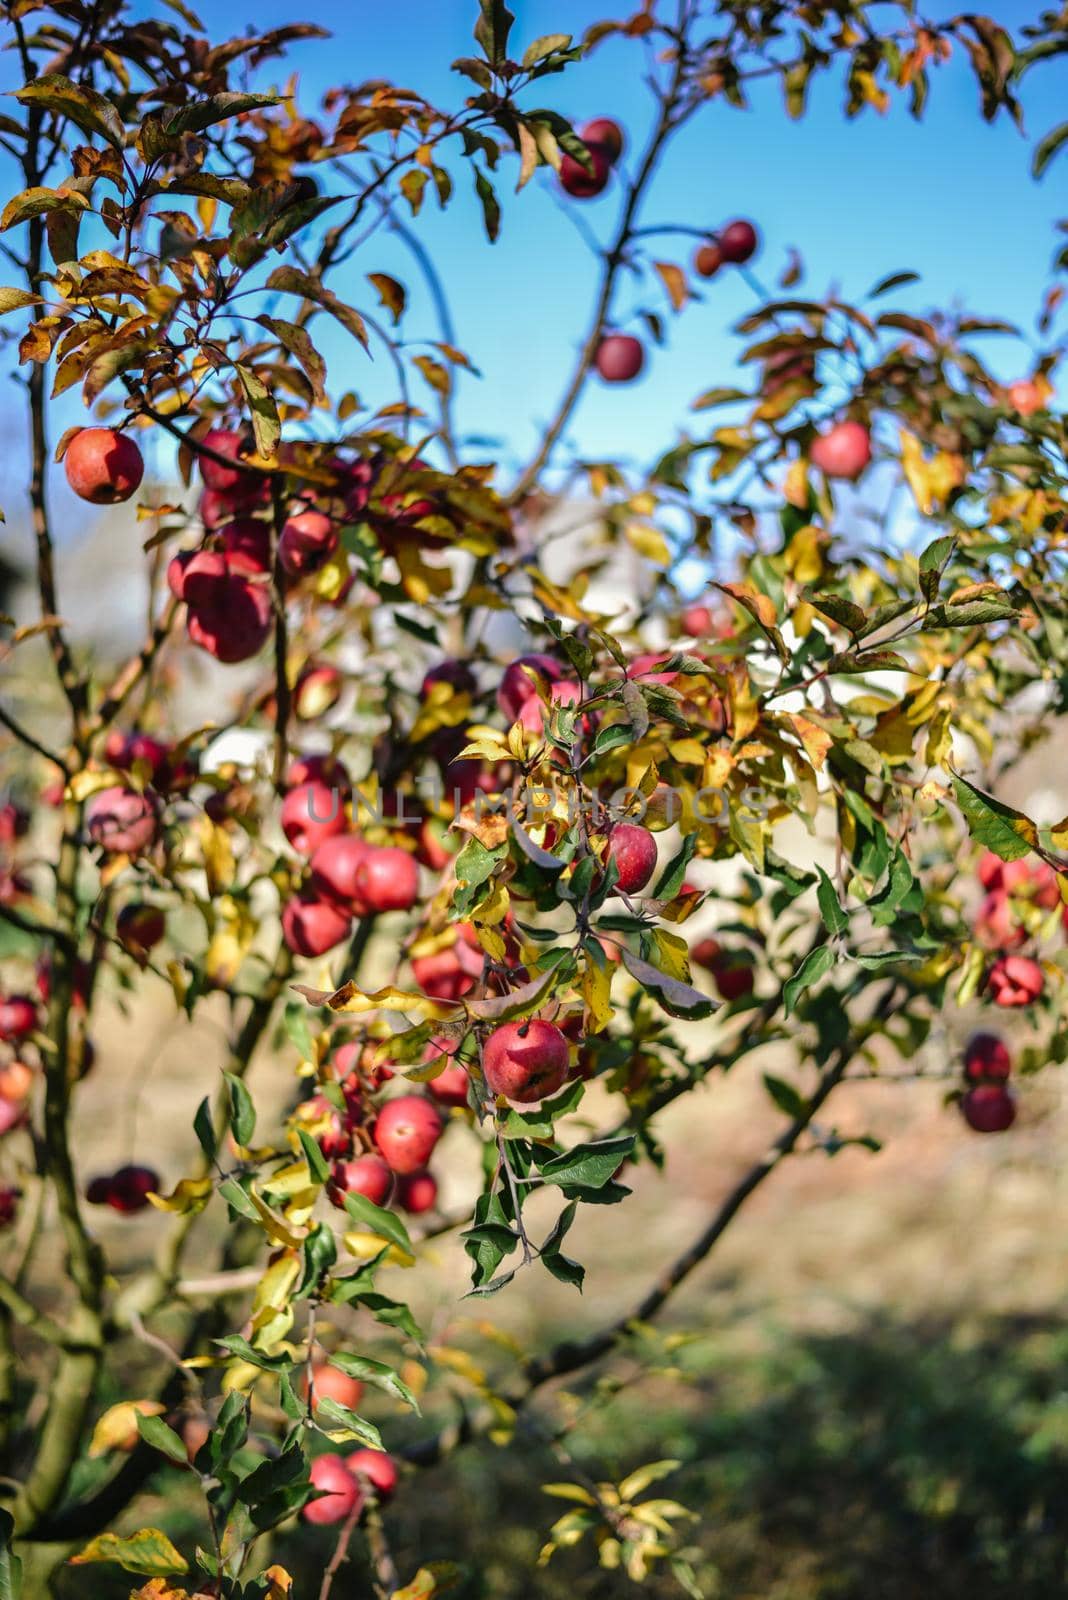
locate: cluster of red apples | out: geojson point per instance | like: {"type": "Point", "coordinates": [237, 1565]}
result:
{"type": "Point", "coordinates": [1017, 901]}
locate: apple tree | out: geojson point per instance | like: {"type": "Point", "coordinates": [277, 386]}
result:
{"type": "Point", "coordinates": [447, 894]}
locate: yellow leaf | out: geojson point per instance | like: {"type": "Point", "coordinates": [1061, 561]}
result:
{"type": "Point", "coordinates": [649, 542]}
{"type": "Point", "coordinates": [690, 752]}
{"type": "Point", "coordinates": [190, 1195]}
{"type": "Point", "coordinates": [670, 954]}
{"type": "Point", "coordinates": [815, 741]}
{"type": "Point", "coordinates": [930, 480]}
{"type": "Point", "coordinates": [273, 1226]}
{"type": "Point", "coordinates": [148, 1551]}
{"type": "Point", "coordinates": [281, 1584]}
{"type": "Point", "coordinates": [597, 993]}
{"type": "Point", "coordinates": [365, 1246]}
{"type": "Point", "coordinates": [939, 737]}
{"type": "Point", "coordinates": [804, 554]}
{"type": "Point", "coordinates": [274, 1288]}
{"type": "Point", "coordinates": [117, 1428]}
{"type": "Point", "coordinates": [674, 280]}
{"type": "Point", "coordinates": [350, 1000]}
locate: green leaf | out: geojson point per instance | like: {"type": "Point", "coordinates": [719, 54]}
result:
{"type": "Point", "coordinates": [236, 1198]}
{"type": "Point", "coordinates": [290, 280]}
{"type": "Point", "coordinates": [886, 958]}
{"type": "Point", "coordinates": [678, 999]}
{"type": "Point", "coordinates": [332, 1412]}
{"type": "Point", "coordinates": [392, 1314]}
{"type": "Point", "coordinates": [971, 612]}
{"type": "Point", "coordinates": [815, 966]}
{"type": "Point", "coordinates": [148, 1551]}
{"type": "Point", "coordinates": [265, 421]}
{"type": "Point", "coordinates": [155, 1432]}
{"type": "Point", "coordinates": [491, 211]}
{"type": "Point", "coordinates": [314, 1156]}
{"type": "Point", "coordinates": [588, 1165]}
{"type": "Point", "coordinates": [10, 1565]}
{"type": "Point", "coordinates": [237, 1346]}
{"type": "Point", "coordinates": [319, 1252]}
{"type": "Point", "coordinates": [36, 203]}
{"type": "Point", "coordinates": [298, 342]}
{"type": "Point", "coordinates": [492, 30]}
{"type": "Point", "coordinates": [242, 1111]}
{"type": "Point", "coordinates": [671, 879]}
{"type": "Point", "coordinates": [896, 280]}
{"type": "Point", "coordinates": [785, 1096]}
{"type": "Point", "coordinates": [1047, 148]}
{"type": "Point", "coordinates": [835, 919]}
{"type": "Point", "coordinates": [385, 1223]}
{"type": "Point", "coordinates": [201, 114]}
{"type": "Point", "coordinates": [547, 45]}
{"type": "Point", "coordinates": [376, 1373]}
{"type": "Point", "coordinates": [85, 107]}
{"type": "Point", "coordinates": [204, 1128]}
{"type": "Point", "coordinates": [1002, 829]}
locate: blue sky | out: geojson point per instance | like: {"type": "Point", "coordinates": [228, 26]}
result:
{"type": "Point", "coordinates": [950, 197]}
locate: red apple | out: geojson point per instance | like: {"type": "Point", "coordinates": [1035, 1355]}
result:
{"type": "Point", "coordinates": [517, 686]}
{"type": "Point", "coordinates": [989, 1108]}
{"type": "Point", "coordinates": [217, 506]}
{"type": "Point", "coordinates": [324, 769]}
{"type": "Point", "coordinates": [334, 1128]}
{"type": "Point", "coordinates": [334, 866]}
{"type": "Point", "coordinates": [737, 241]}
{"type": "Point", "coordinates": [843, 451]}
{"type": "Point", "coordinates": [582, 183]}
{"type": "Point", "coordinates": [18, 1018]}
{"type": "Point", "coordinates": [457, 674]}
{"type": "Point", "coordinates": [450, 1086]}
{"type": "Point", "coordinates": [367, 1175]}
{"type": "Point", "coordinates": [418, 1193]}
{"type": "Point", "coordinates": [317, 691]}
{"type": "Point", "coordinates": [16, 1081]}
{"type": "Point", "coordinates": [129, 1188]}
{"type": "Point", "coordinates": [995, 925]}
{"type": "Point", "coordinates": [633, 849]}
{"type": "Point", "coordinates": [986, 1057]}
{"type": "Point", "coordinates": [307, 540]}
{"type": "Point", "coordinates": [312, 813]}
{"type": "Point", "coordinates": [246, 545]}
{"type": "Point", "coordinates": [532, 712]}
{"type": "Point", "coordinates": [1025, 396]}
{"type": "Point", "coordinates": [14, 822]}
{"type": "Point", "coordinates": [340, 1493]}
{"type": "Point", "coordinates": [103, 466]}
{"type": "Point", "coordinates": [234, 623]}
{"type": "Point", "coordinates": [228, 480]}
{"type": "Point", "coordinates": [122, 821]}
{"type": "Point", "coordinates": [1015, 981]}
{"type": "Point", "coordinates": [707, 260]}
{"type": "Point", "coordinates": [442, 974]}
{"type": "Point", "coordinates": [525, 1061]}
{"type": "Point", "coordinates": [330, 1383]}
{"type": "Point", "coordinates": [387, 879]}
{"type": "Point", "coordinates": [606, 134]}
{"type": "Point", "coordinates": [140, 927]}
{"type": "Point", "coordinates": [620, 357]}
{"type": "Point", "coordinates": [378, 1469]}
{"type": "Point", "coordinates": [311, 926]}
{"type": "Point", "coordinates": [696, 620]}
{"type": "Point", "coordinates": [406, 1131]}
